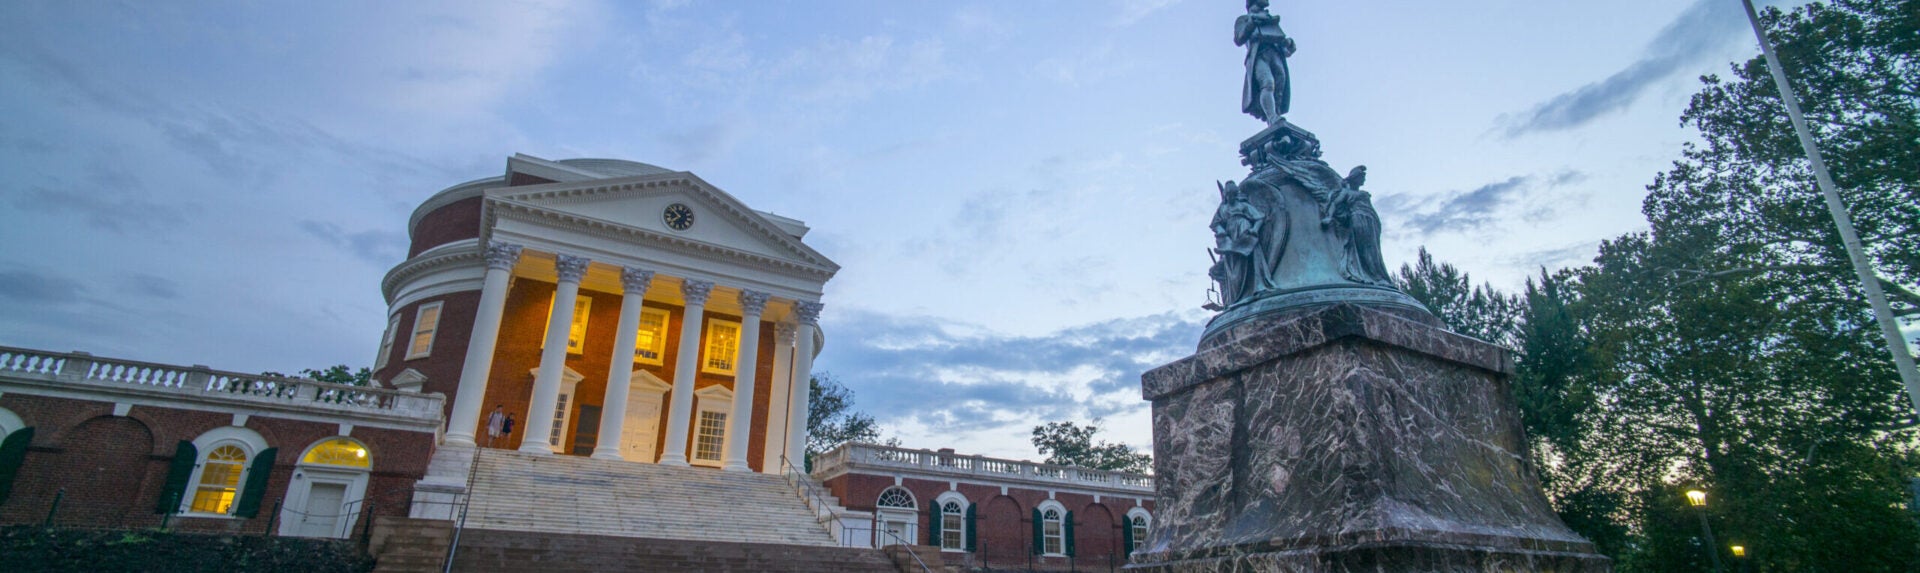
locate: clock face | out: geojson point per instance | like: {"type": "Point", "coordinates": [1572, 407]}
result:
{"type": "Point", "coordinates": [678, 217]}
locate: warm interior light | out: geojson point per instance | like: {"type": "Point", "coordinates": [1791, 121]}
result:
{"type": "Point", "coordinates": [359, 452]}
{"type": "Point", "coordinates": [1696, 498]}
{"type": "Point", "coordinates": [1739, 551]}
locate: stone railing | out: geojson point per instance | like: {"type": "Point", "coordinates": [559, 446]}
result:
{"type": "Point", "coordinates": [849, 456]}
{"type": "Point", "coordinates": [79, 370]}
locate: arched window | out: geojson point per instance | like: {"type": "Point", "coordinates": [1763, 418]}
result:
{"type": "Point", "coordinates": [222, 472]}
{"type": "Point", "coordinates": [1052, 533]}
{"type": "Point", "coordinates": [951, 526]}
{"type": "Point", "coordinates": [896, 496]}
{"type": "Point", "coordinates": [327, 494]}
{"type": "Point", "coordinates": [1136, 528]}
{"type": "Point", "coordinates": [897, 522]}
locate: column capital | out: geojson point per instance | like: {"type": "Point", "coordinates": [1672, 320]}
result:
{"type": "Point", "coordinates": [502, 255]}
{"type": "Point", "coordinates": [808, 313]}
{"type": "Point", "coordinates": [695, 291]}
{"type": "Point", "coordinates": [635, 280]}
{"type": "Point", "coordinates": [785, 333]}
{"type": "Point", "coordinates": [570, 267]}
{"type": "Point", "coordinates": [753, 302]}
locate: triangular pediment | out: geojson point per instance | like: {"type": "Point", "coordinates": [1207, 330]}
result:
{"type": "Point", "coordinates": [720, 222]}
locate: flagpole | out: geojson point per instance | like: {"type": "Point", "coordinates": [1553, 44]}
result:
{"type": "Point", "coordinates": [1869, 281]}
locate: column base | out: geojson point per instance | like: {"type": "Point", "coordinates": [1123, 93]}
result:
{"type": "Point", "coordinates": [453, 439]}
{"type": "Point", "coordinates": [740, 466]}
{"type": "Point", "coordinates": [606, 454]}
{"type": "Point", "coordinates": [536, 449]}
{"type": "Point", "coordinates": [675, 460]}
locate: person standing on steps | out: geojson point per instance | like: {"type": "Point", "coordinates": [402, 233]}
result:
{"type": "Point", "coordinates": [496, 424]}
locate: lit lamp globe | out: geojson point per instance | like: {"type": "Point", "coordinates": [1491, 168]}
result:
{"type": "Point", "coordinates": [1739, 550]}
{"type": "Point", "coordinates": [1696, 498]}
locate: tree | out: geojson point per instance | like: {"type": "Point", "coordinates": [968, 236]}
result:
{"type": "Point", "coordinates": [831, 419]}
{"type": "Point", "coordinates": [340, 374]}
{"type": "Point", "coordinates": [1068, 444]}
{"type": "Point", "coordinates": [1480, 312]}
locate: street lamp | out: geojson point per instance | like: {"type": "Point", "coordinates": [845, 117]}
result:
{"type": "Point", "coordinates": [1740, 554]}
{"type": "Point", "coordinates": [1698, 498]}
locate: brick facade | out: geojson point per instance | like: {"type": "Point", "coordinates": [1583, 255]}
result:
{"type": "Point", "coordinates": [109, 471]}
{"type": "Point", "coordinates": [1004, 522]}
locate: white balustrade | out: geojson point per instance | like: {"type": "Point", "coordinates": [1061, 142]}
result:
{"type": "Point", "coordinates": [79, 368]}
{"type": "Point", "coordinates": [875, 455]}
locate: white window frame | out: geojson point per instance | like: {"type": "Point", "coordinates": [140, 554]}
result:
{"type": "Point", "coordinates": [414, 350]}
{"type": "Point", "coordinates": [562, 407]}
{"type": "Point", "coordinates": [659, 349]}
{"type": "Point", "coordinates": [247, 440]}
{"type": "Point", "coordinates": [719, 399]}
{"type": "Point", "coordinates": [1059, 534]}
{"type": "Point", "coordinates": [576, 332]}
{"type": "Point", "coordinates": [386, 342]}
{"type": "Point", "coordinates": [961, 518]}
{"type": "Point", "coordinates": [707, 350]}
{"type": "Point", "coordinates": [1139, 534]}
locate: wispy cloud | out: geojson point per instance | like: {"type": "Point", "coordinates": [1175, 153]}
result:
{"type": "Point", "coordinates": [26, 287]}
{"type": "Point", "coordinates": [1470, 210]}
{"type": "Point", "coordinates": [968, 382]}
{"type": "Point", "coordinates": [376, 247]}
{"type": "Point", "coordinates": [1555, 258]}
{"type": "Point", "coordinates": [1696, 34]}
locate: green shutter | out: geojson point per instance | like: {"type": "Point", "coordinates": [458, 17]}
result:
{"type": "Point", "coordinates": [1039, 542]}
{"type": "Point", "coordinates": [970, 531]}
{"type": "Point", "coordinates": [1126, 535]}
{"type": "Point", "coordinates": [1066, 531]}
{"type": "Point", "coordinates": [13, 454]}
{"type": "Point", "coordinates": [256, 486]}
{"type": "Point", "coordinates": [178, 472]}
{"type": "Point", "coordinates": [933, 524]}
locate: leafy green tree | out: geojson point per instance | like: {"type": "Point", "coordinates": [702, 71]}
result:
{"type": "Point", "coordinates": [340, 374]}
{"type": "Point", "coordinates": [831, 419]}
{"type": "Point", "coordinates": [1069, 444]}
{"type": "Point", "coordinates": [1480, 312]}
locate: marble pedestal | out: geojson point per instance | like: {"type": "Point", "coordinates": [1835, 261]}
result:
{"type": "Point", "coordinates": [1346, 438]}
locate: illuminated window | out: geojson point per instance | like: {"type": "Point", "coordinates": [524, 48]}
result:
{"type": "Point", "coordinates": [1053, 534]}
{"type": "Point", "coordinates": [219, 480]}
{"type": "Point", "coordinates": [577, 335]}
{"type": "Point", "coordinates": [338, 452]}
{"type": "Point", "coordinates": [896, 496]}
{"type": "Point", "coordinates": [953, 526]}
{"type": "Point", "coordinates": [386, 342]}
{"type": "Point", "coordinates": [425, 322]}
{"type": "Point", "coordinates": [723, 346]}
{"type": "Point", "coordinates": [708, 444]}
{"type": "Point", "coordinates": [651, 343]}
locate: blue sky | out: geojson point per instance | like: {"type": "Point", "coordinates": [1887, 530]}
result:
{"type": "Point", "coordinates": [1018, 192]}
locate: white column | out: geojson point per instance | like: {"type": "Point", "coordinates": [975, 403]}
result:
{"type": "Point", "coordinates": [740, 422]}
{"type": "Point", "coordinates": [808, 315]}
{"type": "Point", "coordinates": [780, 398]}
{"type": "Point", "coordinates": [472, 393]}
{"type": "Point", "coordinates": [686, 365]}
{"type": "Point", "coordinates": [613, 413]}
{"type": "Point", "coordinates": [553, 357]}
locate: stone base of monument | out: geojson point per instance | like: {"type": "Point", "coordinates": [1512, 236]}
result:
{"type": "Point", "coordinates": [1345, 437]}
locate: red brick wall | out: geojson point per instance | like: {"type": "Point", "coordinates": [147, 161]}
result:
{"type": "Point", "coordinates": [112, 468]}
{"type": "Point", "coordinates": [449, 352]}
{"type": "Point", "coordinates": [517, 353]}
{"type": "Point", "coordinates": [1004, 525]}
{"type": "Point", "coordinates": [454, 221]}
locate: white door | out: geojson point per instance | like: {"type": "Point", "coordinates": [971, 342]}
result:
{"type": "Point", "coordinates": [901, 532]}
{"type": "Point", "coordinates": [642, 427]}
{"type": "Point", "coordinates": [323, 510]}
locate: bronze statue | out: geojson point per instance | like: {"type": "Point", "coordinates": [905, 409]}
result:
{"type": "Point", "coordinates": [1268, 91]}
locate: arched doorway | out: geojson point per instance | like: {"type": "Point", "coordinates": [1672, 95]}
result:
{"type": "Point", "coordinates": [328, 489]}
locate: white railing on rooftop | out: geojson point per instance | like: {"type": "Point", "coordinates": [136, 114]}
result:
{"type": "Point", "coordinates": [82, 369]}
{"type": "Point", "coordinates": [874, 455]}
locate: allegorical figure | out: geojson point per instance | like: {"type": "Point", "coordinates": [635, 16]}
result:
{"type": "Point", "coordinates": [1236, 235]}
{"type": "Point", "coordinates": [1268, 91]}
{"type": "Point", "coordinates": [1358, 226]}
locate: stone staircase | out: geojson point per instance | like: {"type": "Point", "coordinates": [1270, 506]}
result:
{"type": "Point", "coordinates": [514, 491]}
{"type": "Point", "coordinates": [407, 545]}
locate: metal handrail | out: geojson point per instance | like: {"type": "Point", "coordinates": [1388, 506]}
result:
{"type": "Point", "coordinates": [908, 549]}
{"type": "Point", "coordinates": [453, 547]}
{"type": "Point", "coordinates": [817, 501]}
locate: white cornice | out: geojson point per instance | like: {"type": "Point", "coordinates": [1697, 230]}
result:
{"type": "Point", "coordinates": [458, 253]}
{"type": "Point", "coordinates": [449, 196]}
{"type": "Point", "coordinates": [499, 208]}
{"type": "Point", "coordinates": [681, 180]}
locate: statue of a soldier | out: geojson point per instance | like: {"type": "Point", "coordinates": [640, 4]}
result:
{"type": "Point", "coordinates": [1268, 91]}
